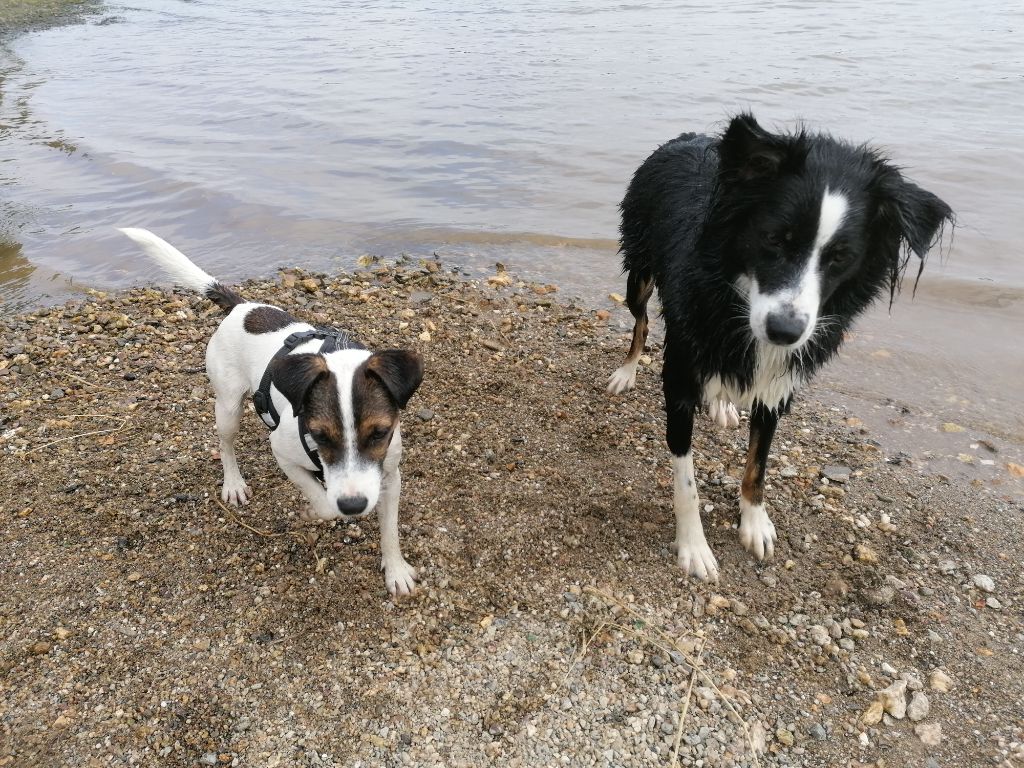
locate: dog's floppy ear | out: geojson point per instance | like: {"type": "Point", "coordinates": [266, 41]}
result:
{"type": "Point", "coordinates": [399, 370]}
{"type": "Point", "coordinates": [916, 214]}
{"type": "Point", "coordinates": [748, 152]}
{"type": "Point", "coordinates": [295, 375]}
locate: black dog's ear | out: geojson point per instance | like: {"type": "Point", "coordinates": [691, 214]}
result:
{"type": "Point", "coordinates": [399, 370]}
{"type": "Point", "coordinates": [748, 152]}
{"type": "Point", "coordinates": [917, 215]}
{"type": "Point", "coordinates": [295, 375]}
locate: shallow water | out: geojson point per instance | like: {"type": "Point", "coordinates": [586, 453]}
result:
{"type": "Point", "coordinates": [258, 134]}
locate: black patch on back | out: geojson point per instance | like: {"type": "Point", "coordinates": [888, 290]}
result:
{"type": "Point", "coordinates": [223, 297]}
{"type": "Point", "coordinates": [267, 320]}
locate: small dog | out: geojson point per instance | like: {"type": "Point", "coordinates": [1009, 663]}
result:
{"type": "Point", "coordinates": [764, 248]}
{"type": "Point", "coordinates": [332, 406]}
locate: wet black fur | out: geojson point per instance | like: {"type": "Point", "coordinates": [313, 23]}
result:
{"type": "Point", "coordinates": [702, 211]}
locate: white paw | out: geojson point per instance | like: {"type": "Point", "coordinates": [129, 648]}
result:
{"type": "Point", "coordinates": [236, 493]}
{"type": "Point", "coordinates": [622, 380]}
{"type": "Point", "coordinates": [724, 414]}
{"type": "Point", "coordinates": [399, 576]}
{"type": "Point", "coordinates": [757, 532]}
{"type": "Point", "coordinates": [694, 556]}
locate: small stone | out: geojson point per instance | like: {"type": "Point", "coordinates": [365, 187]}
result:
{"type": "Point", "coordinates": [930, 734]}
{"type": "Point", "coordinates": [865, 554]}
{"type": "Point", "coordinates": [879, 597]}
{"type": "Point", "coordinates": [993, 603]}
{"type": "Point", "coordinates": [40, 648]}
{"type": "Point", "coordinates": [635, 657]}
{"type": "Point", "coordinates": [940, 681]}
{"type": "Point", "coordinates": [62, 633]}
{"type": "Point", "coordinates": [784, 736]}
{"type": "Point", "coordinates": [210, 758]}
{"type": "Point", "coordinates": [309, 285]}
{"type": "Point", "coordinates": [57, 394]}
{"type": "Point", "coordinates": [421, 297]}
{"type": "Point", "coordinates": [737, 607]}
{"type": "Point", "coordinates": [894, 699]}
{"type": "Point", "coordinates": [424, 414]}
{"type": "Point", "coordinates": [836, 474]}
{"type": "Point", "coordinates": [889, 670]}
{"type": "Point", "coordinates": [819, 635]}
{"type": "Point", "coordinates": [818, 732]}
{"type": "Point", "coordinates": [918, 707]}
{"type": "Point", "coordinates": [984, 583]}
{"type": "Point", "coordinates": [134, 576]}
{"type": "Point", "coordinates": [873, 714]}
{"type": "Point", "coordinates": [947, 566]}
{"type": "Point", "coordinates": [837, 587]}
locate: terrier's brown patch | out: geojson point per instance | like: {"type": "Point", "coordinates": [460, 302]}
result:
{"type": "Point", "coordinates": [375, 414]}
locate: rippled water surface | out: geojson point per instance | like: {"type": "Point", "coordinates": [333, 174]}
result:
{"type": "Point", "coordinates": [255, 134]}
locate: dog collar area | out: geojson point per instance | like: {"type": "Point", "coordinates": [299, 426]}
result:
{"type": "Point", "coordinates": [333, 340]}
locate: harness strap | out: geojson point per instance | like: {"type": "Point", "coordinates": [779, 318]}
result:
{"type": "Point", "coordinates": [264, 403]}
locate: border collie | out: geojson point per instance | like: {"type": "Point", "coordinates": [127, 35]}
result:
{"type": "Point", "coordinates": [332, 406]}
{"type": "Point", "coordinates": [764, 247]}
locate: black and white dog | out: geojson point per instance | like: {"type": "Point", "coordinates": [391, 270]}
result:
{"type": "Point", "coordinates": [764, 247]}
{"type": "Point", "coordinates": [331, 404]}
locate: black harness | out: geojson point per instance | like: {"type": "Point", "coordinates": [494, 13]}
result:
{"type": "Point", "coordinates": [332, 341]}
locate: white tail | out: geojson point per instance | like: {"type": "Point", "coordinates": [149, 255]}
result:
{"type": "Point", "coordinates": [174, 262]}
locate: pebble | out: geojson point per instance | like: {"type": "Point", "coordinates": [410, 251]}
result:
{"type": "Point", "coordinates": [918, 707]}
{"type": "Point", "coordinates": [894, 699]}
{"type": "Point", "coordinates": [984, 583]}
{"type": "Point", "coordinates": [873, 714]}
{"type": "Point", "coordinates": [424, 414]}
{"type": "Point", "coordinates": [865, 554]}
{"type": "Point", "coordinates": [930, 734]}
{"type": "Point", "coordinates": [819, 635]}
{"type": "Point", "coordinates": [940, 681]}
{"type": "Point", "coordinates": [836, 474]}
{"type": "Point", "coordinates": [993, 603]}
{"type": "Point", "coordinates": [784, 736]}
{"type": "Point", "coordinates": [818, 732]}
{"type": "Point", "coordinates": [210, 758]}
{"type": "Point", "coordinates": [635, 657]}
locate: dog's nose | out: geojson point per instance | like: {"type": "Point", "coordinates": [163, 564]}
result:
{"type": "Point", "coordinates": [352, 505]}
{"type": "Point", "coordinates": [785, 327]}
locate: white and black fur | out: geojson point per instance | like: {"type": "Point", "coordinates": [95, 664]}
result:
{"type": "Point", "coordinates": [350, 399]}
{"type": "Point", "coordinates": [764, 247]}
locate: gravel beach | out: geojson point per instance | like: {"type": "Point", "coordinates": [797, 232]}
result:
{"type": "Point", "coordinates": [143, 623]}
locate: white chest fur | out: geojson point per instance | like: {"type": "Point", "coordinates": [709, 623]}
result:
{"type": "Point", "coordinates": [772, 384]}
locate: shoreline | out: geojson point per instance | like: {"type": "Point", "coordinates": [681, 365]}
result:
{"type": "Point", "coordinates": [538, 510]}
{"type": "Point", "coordinates": [21, 16]}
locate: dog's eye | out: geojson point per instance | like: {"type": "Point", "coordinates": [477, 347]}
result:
{"type": "Point", "coordinates": [319, 435]}
{"type": "Point", "coordinates": [378, 434]}
{"type": "Point", "coordinates": [777, 239]}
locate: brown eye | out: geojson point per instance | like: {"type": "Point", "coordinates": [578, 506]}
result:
{"type": "Point", "coordinates": [378, 434]}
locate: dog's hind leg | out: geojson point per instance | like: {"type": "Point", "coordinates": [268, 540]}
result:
{"type": "Point", "coordinates": [757, 532]}
{"type": "Point", "coordinates": [693, 554]}
{"type": "Point", "coordinates": [229, 413]}
{"type": "Point", "coordinates": [639, 287]}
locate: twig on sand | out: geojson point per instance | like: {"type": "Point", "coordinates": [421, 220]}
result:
{"type": "Point", "coordinates": [121, 427]}
{"type": "Point", "coordinates": [686, 707]}
{"type": "Point", "coordinates": [92, 384]}
{"type": "Point", "coordinates": [257, 531]}
{"type": "Point", "coordinates": [310, 540]}
{"type": "Point", "coordinates": [661, 639]}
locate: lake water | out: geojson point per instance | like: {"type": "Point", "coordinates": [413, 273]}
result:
{"type": "Point", "coordinates": [257, 134]}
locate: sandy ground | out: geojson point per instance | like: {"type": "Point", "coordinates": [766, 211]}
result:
{"type": "Point", "coordinates": [142, 623]}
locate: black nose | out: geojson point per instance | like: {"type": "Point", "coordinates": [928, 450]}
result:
{"type": "Point", "coordinates": [352, 505]}
{"type": "Point", "coordinates": [784, 327]}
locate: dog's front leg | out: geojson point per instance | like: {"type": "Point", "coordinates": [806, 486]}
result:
{"type": "Point", "coordinates": [757, 532]}
{"type": "Point", "coordinates": [399, 576]}
{"type": "Point", "coordinates": [693, 554]}
{"type": "Point", "coordinates": [228, 411]}
{"type": "Point", "coordinates": [319, 507]}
